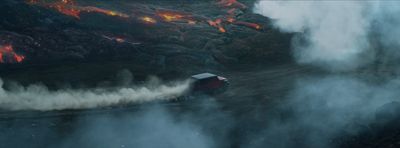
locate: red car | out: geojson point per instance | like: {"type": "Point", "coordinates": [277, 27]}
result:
{"type": "Point", "coordinates": [209, 83]}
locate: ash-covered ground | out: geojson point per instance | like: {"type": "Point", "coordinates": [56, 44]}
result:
{"type": "Point", "coordinates": [101, 73]}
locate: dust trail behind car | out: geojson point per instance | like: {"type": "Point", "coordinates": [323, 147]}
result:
{"type": "Point", "coordinates": [39, 97]}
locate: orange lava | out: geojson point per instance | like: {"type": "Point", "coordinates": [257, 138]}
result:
{"type": "Point", "coordinates": [170, 16]}
{"type": "Point", "coordinates": [217, 24]}
{"type": "Point", "coordinates": [230, 20]}
{"type": "Point", "coordinates": [68, 7]}
{"type": "Point", "coordinates": [67, 10]}
{"type": "Point", "coordinates": [8, 55]}
{"type": "Point", "coordinates": [232, 3]}
{"type": "Point", "coordinates": [247, 24]}
{"type": "Point", "coordinates": [221, 29]}
{"type": "Point", "coordinates": [104, 11]}
{"type": "Point", "coordinates": [173, 16]}
{"type": "Point", "coordinates": [148, 20]}
{"type": "Point", "coordinates": [232, 8]}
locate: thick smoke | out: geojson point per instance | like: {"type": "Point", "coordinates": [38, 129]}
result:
{"type": "Point", "coordinates": [148, 126]}
{"type": "Point", "coordinates": [39, 97]}
{"type": "Point", "coordinates": [154, 127]}
{"type": "Point", "coordinates": [335, 34]}
{"type": "Point", "coordinates": [320, 110]}
{"type": "Point", "coordinates": [387, 32]}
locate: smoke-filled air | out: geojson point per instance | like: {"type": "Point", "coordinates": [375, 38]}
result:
{"type": "Point", "coordinates": [200, 73]}
{"type": "Point", "coordinates": [336, 35]}
{"type": "Point", "coordinates": [39, 97]}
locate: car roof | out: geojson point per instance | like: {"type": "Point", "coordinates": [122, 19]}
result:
{"type": "Point", "coordinates": [203, 76]}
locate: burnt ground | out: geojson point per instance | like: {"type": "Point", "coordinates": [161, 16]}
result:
{"type": "Point", "coordinates": [63, 51]}
{"type": "Point", "coordinates": [56, 44]}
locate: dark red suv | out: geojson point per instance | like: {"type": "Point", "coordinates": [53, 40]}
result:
{"type": "Point", "coordinates": [209, 83]}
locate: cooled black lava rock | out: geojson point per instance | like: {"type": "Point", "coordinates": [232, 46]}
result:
{"type": "Point", "coordinates": [49, 39]}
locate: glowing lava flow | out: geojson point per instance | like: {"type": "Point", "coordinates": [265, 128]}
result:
{"type": "Point", "coordinates": [247, 24]}
{"type": "Point", "coordinates": [8, 55]}
{"type": "Point", "coordinates": [68, 7]}
{"type": "Point", "coordinates": [233, 9]}
{"type": "Point", "coordinates": [232, 3]}
{"type": "Point", "coordinates": [217, 24]}
{"type": "Point", "coordinates": [104, 11]}
{"type": "Point", "coordinates": [148, 20]}
{"type": "Point", "coordinates": [170, 16]}
{"type": "Point", "coordinates": [173, 16]}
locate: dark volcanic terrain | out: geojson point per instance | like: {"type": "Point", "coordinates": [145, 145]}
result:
{"type": "Point", "coordinates": [55, 44]}
{"type": "Point", "coordinates": [49, 43]}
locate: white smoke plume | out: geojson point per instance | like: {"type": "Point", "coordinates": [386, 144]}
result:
{"type": "Point", "coordinates": [335, 34]}
{"type": "Point", "coordinates": [155, 127]}
{"type": "Point", "coordinates": [321, 109]}
{"type": "Point", "coordinates": [39, 97]}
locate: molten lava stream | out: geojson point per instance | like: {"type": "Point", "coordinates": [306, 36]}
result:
{"type": "Point", "coordinates": [247, 24]}
{"type": "Point", "coordinates": [148, 20]}
{"type": "Point", "coordinates": [8, 55]}
{"type": "Point", "coordinates": [232, 3]}
{"type": "Point", "coordinates": [217, 24]}
{"type": "Point", "coordinates": [69, 7]}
